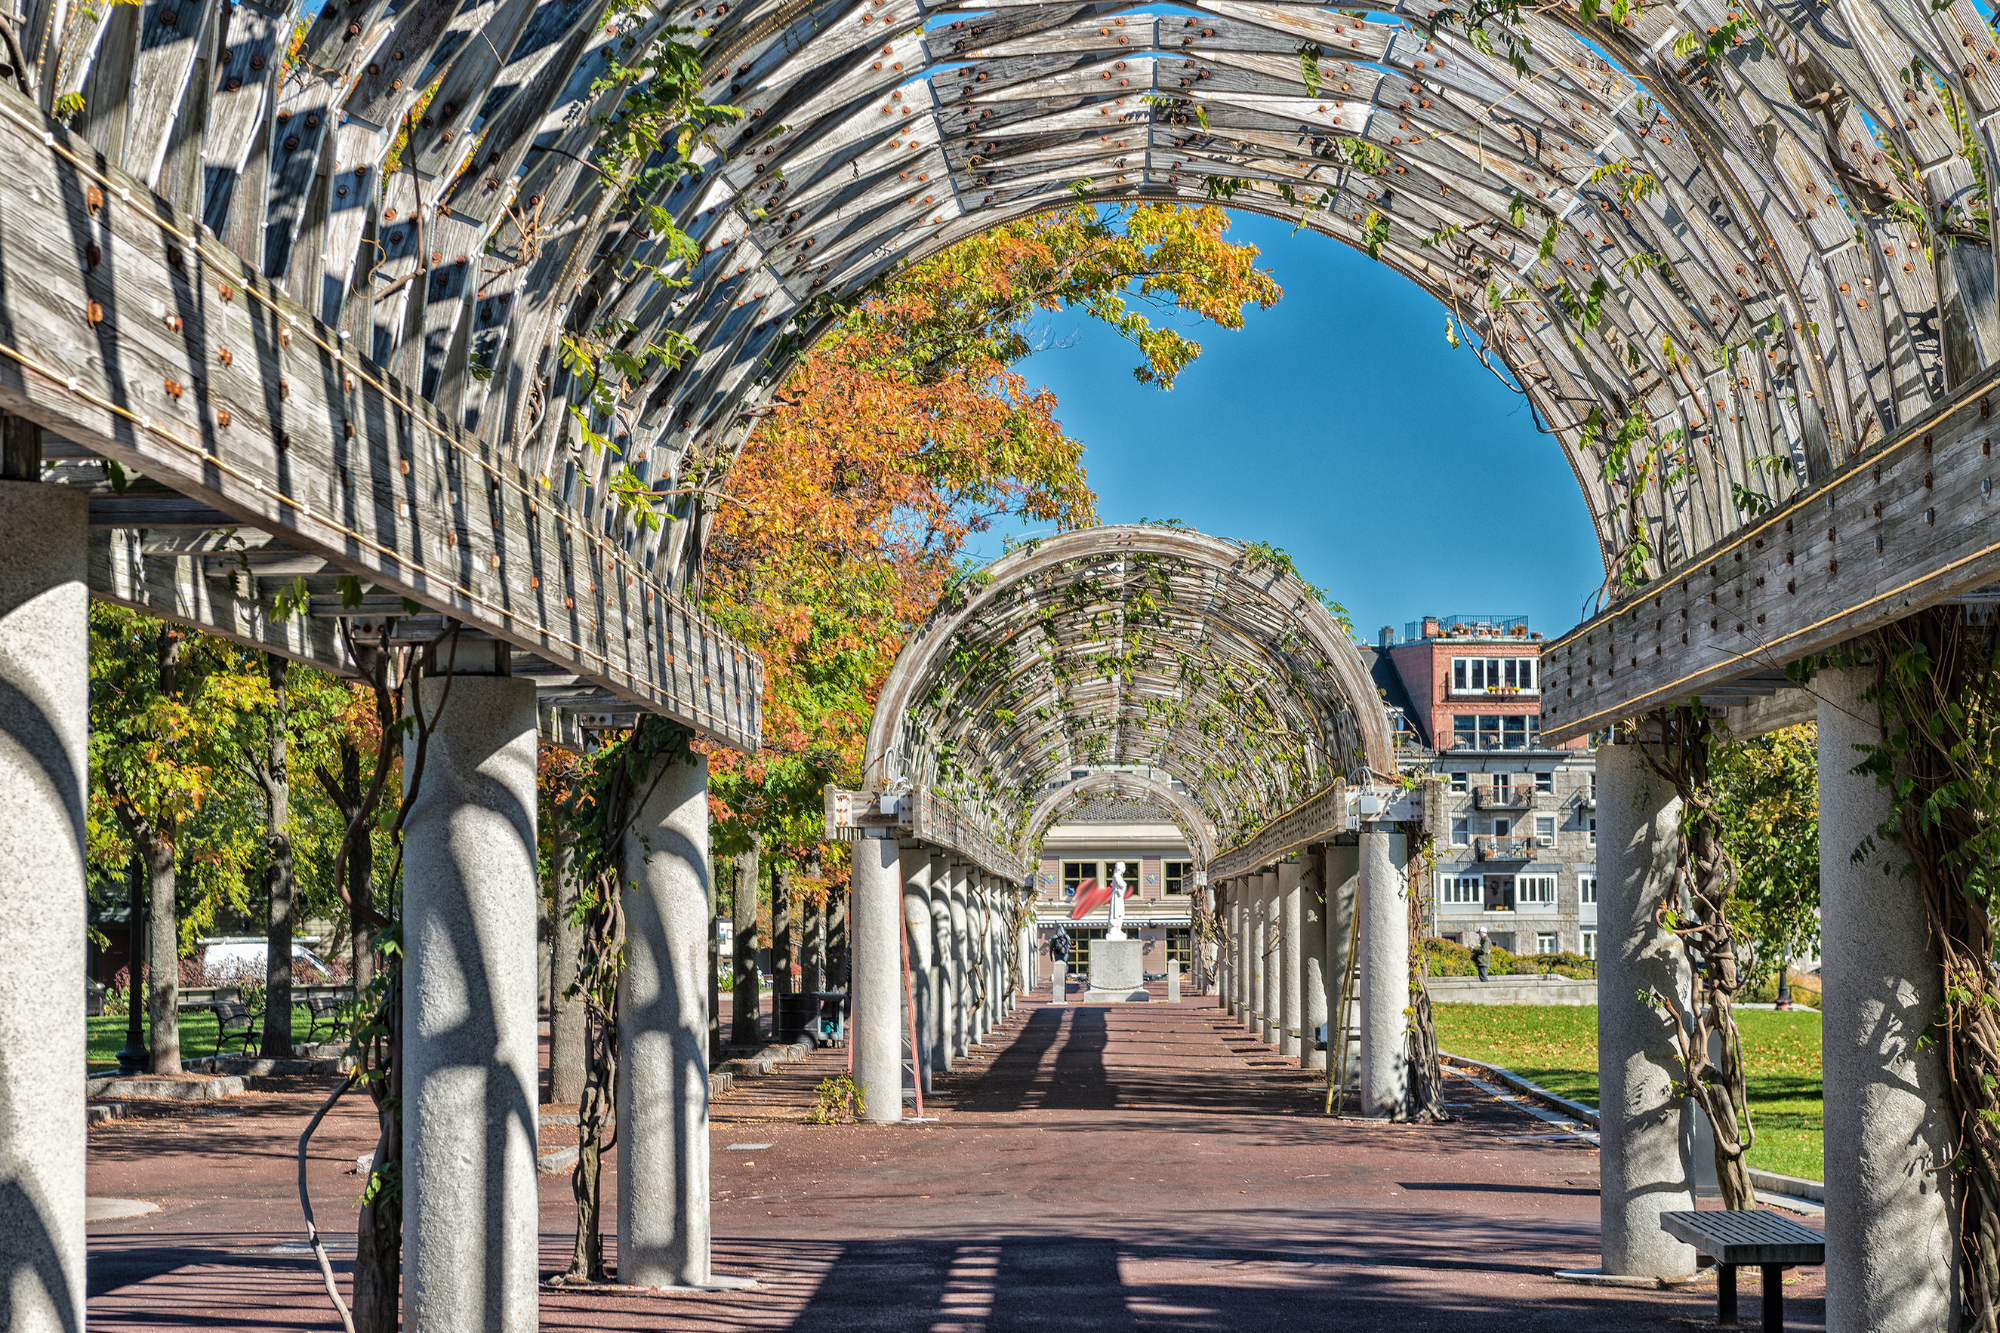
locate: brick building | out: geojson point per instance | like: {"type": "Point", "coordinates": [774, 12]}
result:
{"type": "Point", "coordinates": [1517, 849]}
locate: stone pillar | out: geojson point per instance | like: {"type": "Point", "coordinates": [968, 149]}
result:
{"type": "Point", "coordinates": [1343, 884]}
{"type": "Point", "coordinates": [1238, 925]}
{"type": "Point", "coordinates": [1253, 965]}
{"type": "Point", "coordinates": [1313, 1005]}
{"type": "Point", "coordinates": [1643, 1132]}
{"type": "Point", "coordinates": [979, 922]}
{"type": "Point", "coordinates": [876, 964]}
{"type": "Point", "coordinates": [960, 998]}
{"type": "Point", "coordinates": [1291, 958]}
{"type": "Point", "coordinates": [944, 971]}
{"type": "Point", "coordinates": [469, 1044]}
{"type": "Point", "coordinates": [44, 702]}
{"type": "Point", "coordinates": [1385, 977]}
{"type": "Point", "coordinates": [1248, 988]}
{"type": "Point", "coordinates": [1273, 959]}
{"type": "Point", "coordinates": [915, 866]}
{"type": "Point", "coordinates": [566, 1016]}
{"type": "Point", "coordinates": [663, 1237]}
{"type": "Point", "coordinates": [1890, 1240]}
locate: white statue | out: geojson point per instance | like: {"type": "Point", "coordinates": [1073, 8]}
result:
{"type": "Point", "coordinates": [1117, 907]}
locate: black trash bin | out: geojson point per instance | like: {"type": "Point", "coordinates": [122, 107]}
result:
{"type": "Point", "coordinates": [796, 1014]}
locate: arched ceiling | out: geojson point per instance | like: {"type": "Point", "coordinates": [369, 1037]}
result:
{"type": "Point", "coordinates": [1758, 232]}
{"type": "Point", "coordinates": [1129, 646]}
{"type": "Point", "coordinates": [1183, 812]}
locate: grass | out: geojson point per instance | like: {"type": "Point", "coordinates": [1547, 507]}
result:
{"type": "Point", "coordinates": [107, 1035]}
{"type": "Point", "coordinates": [1556, 1046]}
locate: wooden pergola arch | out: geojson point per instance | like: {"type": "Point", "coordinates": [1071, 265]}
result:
{"type": "Point", "coordinates": [1178, 808]}
{"type": "Point", "coordinates": [1127, 645]}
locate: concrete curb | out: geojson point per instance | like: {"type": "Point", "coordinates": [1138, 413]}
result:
{"type": "Point", "coordinates": [164, 1089]}
{"type": "Point", "coordinates": [1788, 1189]}
{"type": "Point", "coordinates": [1576, 1110]}
{"type": "Point", "coordinates": [557, 1162]}
{"type": "Point", "coordinates": [764, 1061]}
{"type": "Point", "coordinates": [253, 1066]}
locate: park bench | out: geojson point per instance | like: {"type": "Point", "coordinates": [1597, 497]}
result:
{"type": "Point", "coordinates": [233, 1022]}
{"type": "Point", "coordinates": [1736, 1236]}
{"type": "Point", "coordinates": [324, 1008]}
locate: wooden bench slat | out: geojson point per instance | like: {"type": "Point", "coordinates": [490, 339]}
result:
{"type": "Point", "coordinates": [1744, 1236]}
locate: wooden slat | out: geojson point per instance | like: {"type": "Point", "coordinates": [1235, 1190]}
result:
{"type": "Point", "coordinates": [1897, 530]}
{"type": "Point", "coordinates": [407, 501]}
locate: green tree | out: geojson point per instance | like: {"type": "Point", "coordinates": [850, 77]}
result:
{"type": "Point", "coordinates": [172, 712]}
{"type": "Point", "coordinates": [1767, 802]}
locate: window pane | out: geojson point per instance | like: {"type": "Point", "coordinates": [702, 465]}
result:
{"type": "Point", "coordinates": [1458, 782]}
{"type": "Point", "coordinates": [1459, 833]}
{"type": "Point", "coordinates": [1588, 942]}
{"type": "Point", "coordinates": [1527, 673]}
{"type": "Point", "coordinates": [1545, 782]}
{"type": "Point", "coordinates": [1458, 673]}
{"type": "Point", "coordinates": [1545, 943]}
{"type": "Point", "coordinates": [1462, 734]}
{"type": "Point", "coordinates": [1586, 888]}
{"type": "Point", "coordinates": [1516, 731]}
{"type": "Point", "coordinates": [1545, 829]}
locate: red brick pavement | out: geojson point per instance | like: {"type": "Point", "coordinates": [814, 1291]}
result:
{"type": "Point", "coordinates": [1091, 1168]}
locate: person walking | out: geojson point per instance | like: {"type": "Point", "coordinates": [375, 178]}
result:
{"type": "Point", "coordinates": [1482, 955]}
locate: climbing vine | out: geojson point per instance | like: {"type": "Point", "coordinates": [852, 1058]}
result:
{"type": "Point", "coordinates": [1676, 745]}
{"type": "Point", "coordinates": [1937, 683]}
{"type": "Point", "coordinates": [599, 815]}
{"type": "Point", "coordinates": [1426, 1070]}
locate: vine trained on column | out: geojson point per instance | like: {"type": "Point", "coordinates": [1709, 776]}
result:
{"type": "Point", "coordinates": [601, 808]}
{"type": "Point", "coordinates": [1676, 744]}
{"type": "Point", "coordinates": [1938, 686]}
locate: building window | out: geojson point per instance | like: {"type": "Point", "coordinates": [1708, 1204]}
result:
{"type": "Point", "coordinates": [1458, 782]}
{"type": "Point", "coordinates": [1492, 675]}
{"type": "Point", "coordinates": [1180, 945]}
{"type": "Point", "coordinates": [1545, 830]}
{"type": "Point", "coordinates": [1501, 828]}
{"type": "Point", "coordinates": [1545, 783]}
{"type": "Point", "coordinates": [1587, 944]}
{"type": "Point", "coordinates": [1538, 890]}
{"type": "Point", "coordinates": [1495, 731]}
{"type": "Point", "coordinates": [1459, 891]}
{"type": "Point", "coordinates": [1499, 893]}
{"type": "Point", "coordinates": [1545, 942]}
{"type": "Point", "coordinates": [1461, 835]}
{"type": "Point", "coordinates": [1077, 875]}
{"type": "Point", "coordinates": [1590, 827]}
{"type": "Point", "coordinates": [1586, 890]}
{"type": "Point", "coordinates": [1178, 877]}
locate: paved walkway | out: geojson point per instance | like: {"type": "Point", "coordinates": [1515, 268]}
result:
{"type": "Point", "coordinates": [1105, 1168]}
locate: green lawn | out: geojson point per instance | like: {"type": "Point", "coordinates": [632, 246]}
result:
{"type": "Point", "coordinates": [107, 1035]}
{"type": "Point", "coordinates": [1556, 1046]}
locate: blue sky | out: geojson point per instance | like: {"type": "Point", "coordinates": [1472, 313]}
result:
{"type": "Point", "coordinates": [1340, 426]}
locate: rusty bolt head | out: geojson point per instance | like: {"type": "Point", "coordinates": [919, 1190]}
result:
{"type": "Point", "coordinates": [92, 256]}
{"type": "Point", "coordinates": [284, 388]}
{"type": "Point", "coordinates": [94, 313]}
{"type": "Point", "coordinates": [226, 292]}
{"type": "Point", "coordinates": [222, 417]}
{"type": "Point", "coordinates": [174, 323]}
{"type": "Point", "coordinates": [285, 336]}
{"type": "Point", "coordinates": [256, 62]}
{"type": "Point", "coordinates": [173, 389]}
{"type": "Point", "coordinates": [226, 357]}
{"type": "Point", "coordinates": [93, 198]}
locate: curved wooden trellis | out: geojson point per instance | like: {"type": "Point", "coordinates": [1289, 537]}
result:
{"type": "Point", "coordinates": [1128, 645]}
{"type": "Point", "coordinates": [1723, 249]}
{"type": "Point", "coordinates": [1182, 812]}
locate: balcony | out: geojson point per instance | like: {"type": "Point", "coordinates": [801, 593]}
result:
{"type": "Point", "coordinates": [1489, 796]}
{"type": "Point", "coordinates": [1488, 847]}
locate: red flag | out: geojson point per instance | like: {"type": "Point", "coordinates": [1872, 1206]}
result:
{"type": "Point", "coordinates": [1090, 895]}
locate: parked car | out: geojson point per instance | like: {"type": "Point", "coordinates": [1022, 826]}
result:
{"type": "Point", "coordinates": [247, 955]}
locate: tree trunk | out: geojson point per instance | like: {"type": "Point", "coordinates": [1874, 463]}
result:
{"type": "Point", "coordinates": [163, 956]}
{"type": "Point", "coordinates": [566, 1017]}
{"type": "Point", "coordinates": [816, 946]}
{"type": "Point", "coordinates": [745, 1027]}
{"type": "Point", "coordinates": [714, 970]}
{"type": "Point", "coordinates": [836, 941]}
{"type": "Point", "coordinates": [274, 777]}
{"type": "Point", "coordinates": [781, 931]}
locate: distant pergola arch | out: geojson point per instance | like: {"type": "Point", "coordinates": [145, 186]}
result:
{"type": "Point", "coordinates": [1178, 808]}
{"type": "Point", "coordinates": [1129, 645]}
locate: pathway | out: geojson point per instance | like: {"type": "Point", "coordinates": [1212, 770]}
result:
{"type": "Point", "coordinates": [1108, 1168]}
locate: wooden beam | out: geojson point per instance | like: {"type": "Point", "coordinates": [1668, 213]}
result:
{"type": "Point", "coordinates": [1898, 529]}
{"type": "Point", "coordinates": [1316, 819]}
{"type": "Point", "coordinates": [133, 333]}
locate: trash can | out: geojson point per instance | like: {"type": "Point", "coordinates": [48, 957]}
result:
{"type": "Point", "coordinates": [796, 1015]}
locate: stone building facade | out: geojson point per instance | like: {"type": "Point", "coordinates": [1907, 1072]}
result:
{"type": "Point", "coordinates": [1089, 842]}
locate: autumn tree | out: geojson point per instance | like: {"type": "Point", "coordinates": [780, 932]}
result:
{"type": "Point", "coordinates": [172, 712]}
{"type": "Point", "coordinates": [904, 433]}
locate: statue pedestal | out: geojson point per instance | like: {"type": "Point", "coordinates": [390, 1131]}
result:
{"type": "Point", "coordinates": [1117, 972]}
